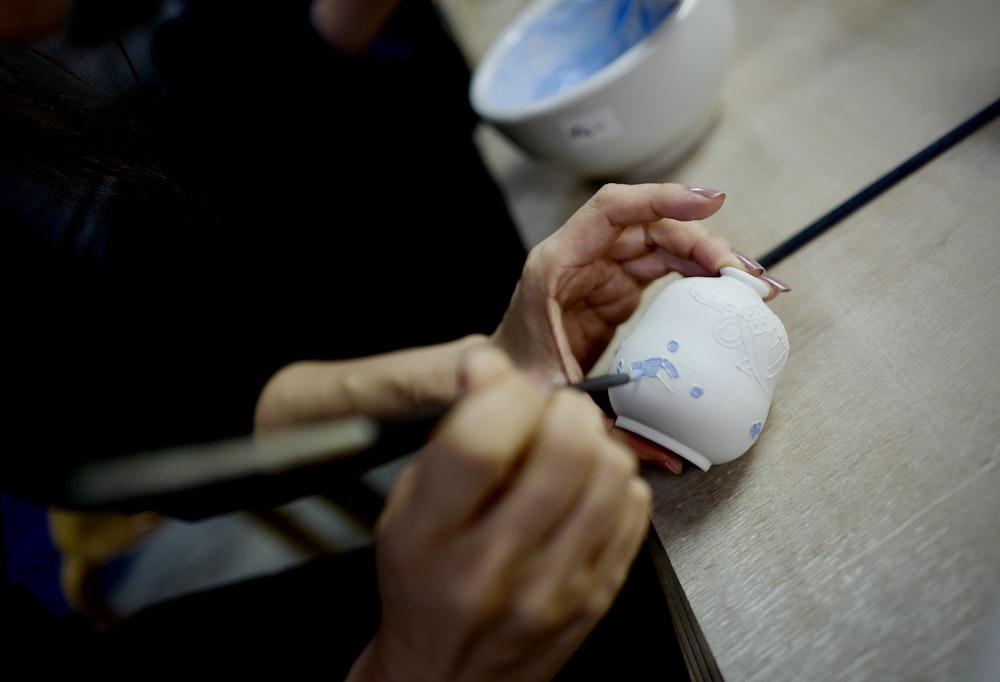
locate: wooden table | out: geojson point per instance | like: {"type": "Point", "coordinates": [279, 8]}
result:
{"type": "Point", "coordinates": [860, 538]}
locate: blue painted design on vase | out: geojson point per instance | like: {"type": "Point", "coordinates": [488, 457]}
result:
{"type": "Point", "coordinates": [672, 346]}
{"type": "Point", "coordinates": [651, 366]}
{"type": "Point", "coordinates": [755, 430]}
{"type": "Point", "coordinates": [697, 391]}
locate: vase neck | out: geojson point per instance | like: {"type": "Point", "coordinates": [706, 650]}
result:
{"type": "Point", "coordinates": [758, 287]}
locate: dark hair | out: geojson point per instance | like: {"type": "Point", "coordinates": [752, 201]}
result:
{"type": "Point", "coordinates": [60, 130]}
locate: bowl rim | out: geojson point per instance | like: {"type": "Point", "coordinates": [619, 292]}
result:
{"type": "Point", "coordinates": [606, 75]}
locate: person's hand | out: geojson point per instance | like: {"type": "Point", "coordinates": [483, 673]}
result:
{"type": "Point", "coordinates": [351, 25]}
{"type": "Point", "coordinates": [587, 278]}
{"type": "Point", "coordinates": [577, 286]}
{"type": "Point", "coordinates": [509, 536]}
{"type": "Point", "coordinates": [31, 20]}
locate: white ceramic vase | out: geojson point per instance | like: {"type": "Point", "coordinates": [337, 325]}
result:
{"type": "Point", "coordinates": [704, 359]}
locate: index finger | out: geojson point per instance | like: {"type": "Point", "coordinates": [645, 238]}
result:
{"type": "Point", "coordinates": [615, 206]}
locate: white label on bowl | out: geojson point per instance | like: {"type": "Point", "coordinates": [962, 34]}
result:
{"type": "Point", "coordinates": [590, 128]}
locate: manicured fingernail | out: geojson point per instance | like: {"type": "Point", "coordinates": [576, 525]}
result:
{"type": "Point", "coordinates": [668, 464]}
{"type": "Point", "coordinates": [707, 192]}
{"type": "Point", "coordinates": [775, 283]}
{"type": "Point", "coordinates": [752, 266]}
{"type": "Point", "coordinates": [674, 466]}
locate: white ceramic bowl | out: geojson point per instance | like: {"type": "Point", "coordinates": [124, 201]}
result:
{"type": "Point", "coordinates": [604, 88]}
{"type": "Point", "coordinates": [704, 358]}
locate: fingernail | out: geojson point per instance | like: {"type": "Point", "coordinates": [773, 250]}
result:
{"type": "Point", "coordinates": [752, 266]}
{"type": "Point", "coordinates": [668, 464]}
{"type": "Point", "coordinates": [775, 283]}
{"type": "Point", "coordinates": [707, 192]}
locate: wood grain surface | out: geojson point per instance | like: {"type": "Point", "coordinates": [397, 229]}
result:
{"type": "Point", "coordinates": [860, 537]}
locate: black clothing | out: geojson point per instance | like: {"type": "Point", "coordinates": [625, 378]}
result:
{"type": "Point", "coordinates": [307, 224]}
{"type": "Point", "coordinates": [263, 199]}
{"type": "Point", "coordinates": [324, 206]}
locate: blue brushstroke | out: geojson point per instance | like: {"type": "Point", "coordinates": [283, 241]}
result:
{"type": "Point", "coordinates": [650, 368]}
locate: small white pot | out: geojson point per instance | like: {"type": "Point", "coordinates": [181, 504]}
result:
{"type": "Point", "coordinates": [704, 359]}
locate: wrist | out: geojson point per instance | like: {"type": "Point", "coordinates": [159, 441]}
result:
{"type": "Point", "coordinates": [350, 26]}
{"type": "Point", "coordinates": [371, 666]}
{"type": "Point", "coordinates": [365, 668]}
{"type": "Point", "coordinates": [386, 385]}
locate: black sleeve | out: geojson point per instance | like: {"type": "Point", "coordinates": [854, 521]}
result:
{"type": "Point", "coordinates": [137, 325]}
{"type": "Point", "coordinates": [104, 362]}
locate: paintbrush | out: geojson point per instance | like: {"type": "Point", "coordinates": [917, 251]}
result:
{"type": "Point", "coordinates": [602, 382]}
{"type": "Point", "coordinates": [194, 471]}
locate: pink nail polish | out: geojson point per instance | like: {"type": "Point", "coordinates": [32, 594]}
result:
{"type": "Point", "coordinates": [752, 266]}
{"type": "Point", "coordinates": [669, 465]}
{"type": "Point", "coordinates": [775, 283]}
{"type": "Point", "coordinates": [707, 192]}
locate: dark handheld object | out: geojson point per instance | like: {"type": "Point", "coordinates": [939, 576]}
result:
{"type": "Point", "coordinates": [603, 383]}
{"type": "Point", "coordinates": [258, 471]}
